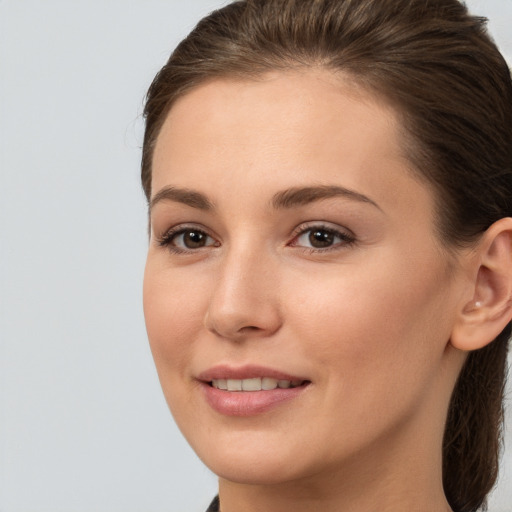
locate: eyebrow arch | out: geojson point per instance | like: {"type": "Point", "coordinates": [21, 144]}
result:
{"type": "Point", "coordinates": [181, 195]}
{"type": "Point", "coordinates": [301, 196]}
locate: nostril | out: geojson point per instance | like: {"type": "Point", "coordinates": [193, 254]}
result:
{"type": "Point", "coordinates": [242, 321]}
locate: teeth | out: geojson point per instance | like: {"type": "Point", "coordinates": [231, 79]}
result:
{"type": "Point", "coordinates": [234, 385]}
{"type": "Point", "coordinates": [255, 384]}
{"type": "Point", "coordinates": [251, 384]}
{"type": "Point", "coordinates": [222, 384]}
{"type": "Point", "coordinates": [268, 383]}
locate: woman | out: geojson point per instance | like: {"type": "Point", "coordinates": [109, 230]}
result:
{"type": "Point", "coordinates": [328, 289]}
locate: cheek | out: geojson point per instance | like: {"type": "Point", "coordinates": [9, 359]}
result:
{"type": "Point", "coordinates": [376, 340]}
{"type": "Point", "coordinates": [174, 312]}
{"type": "Point", "coordinates": [383, 319]}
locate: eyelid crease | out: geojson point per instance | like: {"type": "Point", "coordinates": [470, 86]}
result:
{"type": "Point", "coordinates": [345, 235]}
{"type": "Point", "coordinates": [167, 236]}
{"type": "Point", "coordinates": [323, 225]}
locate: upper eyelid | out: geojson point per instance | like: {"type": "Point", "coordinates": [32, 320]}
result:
{"type": "Point", "coordinates": [302, 228]}
{"type": "Point", "coordinates": [327, 226]}
{"type": "Point", "coordinates": [346, 236]}
{"type": "Point", "coordinates": [166, 239]}
{"type": "Point", "coordinates": [183, 226]}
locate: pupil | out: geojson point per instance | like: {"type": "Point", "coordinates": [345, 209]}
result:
{"type": "Point", "coordinates": [194, 239]}
{"type": "Point", "coordinates": [321, 238]}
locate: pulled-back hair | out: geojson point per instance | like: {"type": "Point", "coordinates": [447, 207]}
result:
{"type": "Point", "coordinates": [452, 90]}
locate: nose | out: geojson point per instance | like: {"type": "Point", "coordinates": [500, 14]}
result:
{"type": "Point", "coordinates": [245, 300]}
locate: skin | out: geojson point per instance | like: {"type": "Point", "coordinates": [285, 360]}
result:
{"type": "Point", "coordinates": [366, 322]}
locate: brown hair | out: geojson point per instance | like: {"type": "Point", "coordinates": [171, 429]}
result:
{"type": "Point", "coordinates": [452, 89]}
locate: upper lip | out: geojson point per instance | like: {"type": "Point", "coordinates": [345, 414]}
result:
{"type": "Point", "coordinates": [250, 371]}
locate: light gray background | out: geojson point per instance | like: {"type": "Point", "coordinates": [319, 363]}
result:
{"type": "Point", "coordinates": [83, 424]}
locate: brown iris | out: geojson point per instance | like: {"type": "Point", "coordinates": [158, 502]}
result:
{"type": "Point", "coordinates": [194, 239]}
{"type": "Point", "coordinates": [320, 238]}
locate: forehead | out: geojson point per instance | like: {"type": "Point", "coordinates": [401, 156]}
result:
{"type": "Point", "coordinates": [309, 103]}
{"type": "Point", "coordinates": [283, 129]}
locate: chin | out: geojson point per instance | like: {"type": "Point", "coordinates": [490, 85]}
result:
{"type": "Point", "coordinates": [248, 458]}
{"type": "Point", "coordinates": [257, 460]}
{"type": "Point", "coordinates": [260, 472]}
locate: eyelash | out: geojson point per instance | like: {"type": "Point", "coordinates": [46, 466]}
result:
{"type": "Point", "coordinates": [167, 239]}
{"type": "Point", "coordinates": [347, 239]}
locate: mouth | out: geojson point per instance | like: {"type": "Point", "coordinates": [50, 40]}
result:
{"type": "Point", "coordinates": [255, 384]}
{"type": "Point", "coordinates": [249, 390]}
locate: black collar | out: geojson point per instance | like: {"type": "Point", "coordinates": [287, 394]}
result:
{"type": "Point", "coordinates": [214, 505]}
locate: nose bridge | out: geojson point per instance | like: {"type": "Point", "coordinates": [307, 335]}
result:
{"type": "Point", "coordinates": [244, 300]}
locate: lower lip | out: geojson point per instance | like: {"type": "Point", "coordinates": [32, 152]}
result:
{"type": "Point", "coordinates": [248, 403]}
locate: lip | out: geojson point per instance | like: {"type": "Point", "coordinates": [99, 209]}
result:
{"type": "Point", "coordinates": [247, 403]}
{"type": "Point", "coordinates": [245, 372]}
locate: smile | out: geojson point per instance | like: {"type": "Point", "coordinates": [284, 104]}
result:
{"type": "Point", "coordinates": [249, 390]}
{"type": "Point", "coordinates": [254, 384]}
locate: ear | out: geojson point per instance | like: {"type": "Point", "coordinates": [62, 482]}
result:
{"type": "Point", "coordinates": [487, 308]}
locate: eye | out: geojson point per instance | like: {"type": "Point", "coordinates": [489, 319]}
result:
{"type": "Point", "coordinates": [320, 237]}
{"type": "Point", "coordinates": [187, 239]}
{"type": "Point", "coordinates": [192, 239]}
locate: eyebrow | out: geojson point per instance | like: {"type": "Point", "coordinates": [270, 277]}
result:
{"type": "Point", "coordinates": [289, 198]}
{"type": "Point", "coordinates": [301, 196]}
{"type": "Point", "coordinates": [181, 195]}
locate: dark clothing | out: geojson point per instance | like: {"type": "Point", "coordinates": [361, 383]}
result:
{"type": "Point", "coordinates": [214, 505]}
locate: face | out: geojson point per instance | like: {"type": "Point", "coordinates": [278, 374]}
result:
{"type": "Point", "coordinates": [293, 260]}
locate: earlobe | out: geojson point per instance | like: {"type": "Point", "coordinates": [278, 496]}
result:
{"type": "Point", "coordinates": [482, 318]}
